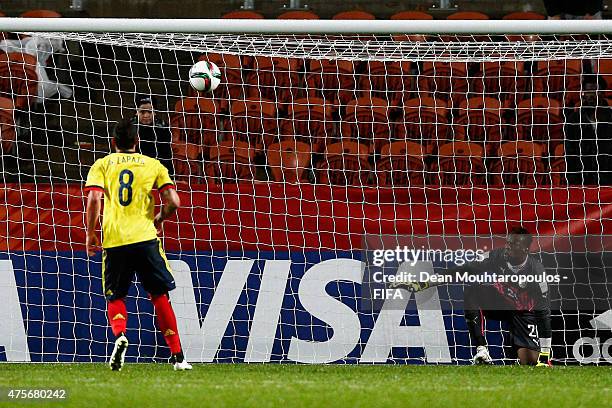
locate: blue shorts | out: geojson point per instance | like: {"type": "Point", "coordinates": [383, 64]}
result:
{"type": "Point", "coordinates": [146, 259]}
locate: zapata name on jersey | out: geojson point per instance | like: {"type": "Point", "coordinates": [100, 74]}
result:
{"type": "Point", "coordinates": [123, 159]}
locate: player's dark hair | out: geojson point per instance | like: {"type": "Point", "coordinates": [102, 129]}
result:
{"type": "Point", "coordinates": [520, 230]}
{"type": "Point", "coordinates": [125, 134]}
{"type": "Point", "coordinates": [142, 99]}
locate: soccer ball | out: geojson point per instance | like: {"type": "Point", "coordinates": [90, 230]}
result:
{"type": "Point", "coordinates": [204, 76]}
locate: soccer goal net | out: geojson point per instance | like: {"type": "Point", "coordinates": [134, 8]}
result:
{"type": "Point", "coordinates": [313, 147]}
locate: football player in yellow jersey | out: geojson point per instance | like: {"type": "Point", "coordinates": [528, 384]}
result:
{"type": "Point", "coordinates": [130, 245]}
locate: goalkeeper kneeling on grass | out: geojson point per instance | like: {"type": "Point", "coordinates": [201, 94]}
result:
{"type": "Point", "coordinates": [524, 306]}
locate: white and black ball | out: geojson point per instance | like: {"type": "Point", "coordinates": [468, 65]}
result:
{"type": "Point", "coordinates": [204, 76]}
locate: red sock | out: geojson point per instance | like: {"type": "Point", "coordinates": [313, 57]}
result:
{"type": "Point", "coordinates": [117, 316]}
{"type": "Point", "coordinates": [167, 322]}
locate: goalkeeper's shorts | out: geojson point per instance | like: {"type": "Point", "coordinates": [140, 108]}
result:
{"type": "Point", "coordinates": [522, 327]}
{"type": "Point", "coordinates": [146, 259]}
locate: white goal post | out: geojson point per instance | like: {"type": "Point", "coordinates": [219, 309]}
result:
{"type": "Point", "coordinates": [323, 136]}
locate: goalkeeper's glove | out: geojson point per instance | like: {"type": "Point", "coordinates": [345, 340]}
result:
{"type": "Point", "coordinates": [410, 286]}
{"type": "Point", "coordinates": [544, 359]}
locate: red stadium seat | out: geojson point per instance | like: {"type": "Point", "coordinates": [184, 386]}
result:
{"type": "Point", "coordinates": [401, 164]}
{"type": "Point", "coordinates": [524, 15]}
{"type": "Point", "coordinates": [274, 78]}
{"type": "Point", "coordinates": [354, 15]}
{"type": "Point", "coordinates": [18, 78]}
{"type": "Point", "coordinates": [390, 80]}
{"type": "Point", "coordinates": [288, 160]}
{"type": "Point", "coordinates": [8, 133]}
{"type": "Point", "coordinates": [367, 121]}
{"type": "Point", "coordinates": [425, 121]}
{"type": "Point", "coordinates": [231, 161]}
{"type": "Point", "coordinates": [334, 80]}
{"type": "Point", "coordinates": [480, 121]}
{"type": "Point", "coordinates": [195, 121]}
{"type": "Point", "coordinates": [346, 164]}
{"type": "Point", "coordinates": [243, 15]}
{"type": "Point", "coordinates": [520, 164]}
{"type": "Point", "coordinates": [254, 121]}
{"type": "Point", "coordinates": [467, 15]}
{"type": "Point", "coordinates": [187, 161]}
{"type": "Point", "coordinates": [411, 15]}
{"type": "Point", "coordinates": [559, 79]}
{"type": "Point", "coordinates": [40, 14]}
{"type": "Point", "coordinates": [231, 72]}
{"type": "Point", "coordinates": [445, 80]}
{"type": "Point", "coordinates": [459, 164]}
{"type": "Point", "coordinates": [309, 120]}
{"type": "Point", "coordinates": [539, 120]}
{"type": "Point", "coordinates": [194, 128]}
{"type": "Point", "coordinates": [504, 80]}
{"type": "Point", "coordinates": [298, 15]}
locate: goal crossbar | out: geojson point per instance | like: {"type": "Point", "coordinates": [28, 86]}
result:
{"type": "Point", "coordinates": [470, 27]}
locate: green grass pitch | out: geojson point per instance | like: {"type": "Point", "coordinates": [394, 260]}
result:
{"type": "Point", "coordinates": [289, 386]}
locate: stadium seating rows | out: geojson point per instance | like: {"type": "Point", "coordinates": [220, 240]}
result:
{"type": "Point", "coordinates": [268, 102]}
{"type": "Point", "coordinates": [364, 15]}
{"type": "Point", "coordinates": [344, 15]}
{"type": "Point", "coordinates": [387, 123]}
{"type": "Point", "coordinates": [369, 120]}
{"type": "Point", "coordinates": [400, 163]}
